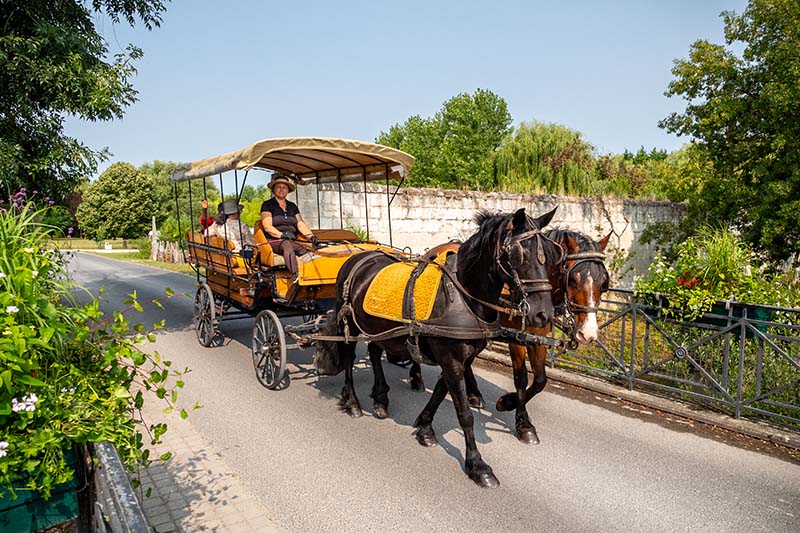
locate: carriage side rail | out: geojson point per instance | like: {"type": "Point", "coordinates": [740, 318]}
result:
{"type": "Point", "coordinates": [741, 359]}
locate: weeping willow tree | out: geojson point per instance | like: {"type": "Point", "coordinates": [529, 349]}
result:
{"type": "Point", "coordinates": [544, 158]}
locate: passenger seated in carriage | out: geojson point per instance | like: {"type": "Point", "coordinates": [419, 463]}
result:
{"type": "Point", "coordinates": [282, 222]}
{"type": "Point", "coordinates": [207, 221]}
{"type": "Point", "coordinates": [233, 229]}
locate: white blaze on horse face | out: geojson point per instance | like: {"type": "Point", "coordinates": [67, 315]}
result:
{"type": "Point", "coordinates": [587, 333]}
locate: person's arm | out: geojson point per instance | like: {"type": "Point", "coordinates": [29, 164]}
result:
{"type": "Point", "coordinates": [205, 222]}
{"type": "Point", "coordinates": [305, 231]}
{"type": "Point", "coordinates": [266, 224]}
{"type": "Point", "coordinates": [303, 228]}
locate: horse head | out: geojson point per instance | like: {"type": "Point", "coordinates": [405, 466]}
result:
{"type": "Point", "coordinates": [528, 259]}
{"type": "Point", "coordinates": [585, 279]}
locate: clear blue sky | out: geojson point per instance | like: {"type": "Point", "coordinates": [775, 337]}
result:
{"type": "Point", "coordinates": [217, 76]}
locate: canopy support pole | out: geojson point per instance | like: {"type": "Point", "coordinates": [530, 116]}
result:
{"type": "Point", "coordinates": [366, 200]}
{"type": "Point", "coordinates": [319, 213]}
{"type": "Point", "coordinates": [341, 211]}
{"type": "Point", "coordinates": [388, 205]}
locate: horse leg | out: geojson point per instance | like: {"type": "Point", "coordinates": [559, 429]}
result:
{"type": "Point", "coordinates": [517, 400]}
{"type": "Point", "coordinates": [474, 395]}
{"type": "Point", "coordinates": [415, 377]}
{"type": "Point", "coordinates": [380, 388]}
{"type": "Point", "coordinates": [477, 470]}
{"type": "Point", "coordinates": [424, 422]}
{"type": "Point", "coordinates": [349, 401]}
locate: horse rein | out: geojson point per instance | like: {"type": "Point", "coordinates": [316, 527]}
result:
{"type": "Point", "coordinates": [524, 287]}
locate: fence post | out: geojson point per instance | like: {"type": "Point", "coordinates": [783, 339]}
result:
{"type": "Point", "coordinates": [153, 241]}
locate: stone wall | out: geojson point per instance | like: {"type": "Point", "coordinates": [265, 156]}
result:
{"type": "Point", "coordinates": [422, 218]}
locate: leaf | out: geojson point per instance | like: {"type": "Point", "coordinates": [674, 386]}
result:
{"type": "Point", "coordinates": [169, 292]}
{"type": "Point", "coordinates": [184, 414]}
{"type": "Point", "coordinates": [166, 456]}
{"type": "Point", "coordinates": [29, 380]}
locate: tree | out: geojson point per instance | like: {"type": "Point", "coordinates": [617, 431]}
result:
{"type": "Point", "coordinates": [53, 62]}
{"type": "Point", "coordinates": [544, 158]}
{"type": "Point", "coordinates": [740, 111]}
{"type": "Point", "coordinates": [119, 203]}
{"type": "Point", "coordinates": [454, 147]}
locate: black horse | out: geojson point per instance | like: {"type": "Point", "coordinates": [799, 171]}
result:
{"type": "Point", "coordinates": [507, 249]}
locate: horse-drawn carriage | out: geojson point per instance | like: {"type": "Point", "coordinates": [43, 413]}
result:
{"type": "Point", "coordinates": [254, 281]}
{"type": "Point", "coordinates": [438, 308]}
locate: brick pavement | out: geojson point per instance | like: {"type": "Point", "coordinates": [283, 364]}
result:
{"type": "Point", "coordinates": [195, 490]}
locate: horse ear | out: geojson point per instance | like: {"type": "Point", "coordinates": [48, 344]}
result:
{"type": "Point", "coordinates": [604, 242]}
{"type": "Point", "coordinates": [519, 219]}
{"type": "Point", "coordinates": [570, 245]}
{"type": "Point", "coordinates": [545, 219]}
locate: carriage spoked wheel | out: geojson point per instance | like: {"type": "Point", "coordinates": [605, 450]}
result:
{"type": "Point", "coordinates": [205, 315]}
{"type": "Point", "coordinates": [269, 349]}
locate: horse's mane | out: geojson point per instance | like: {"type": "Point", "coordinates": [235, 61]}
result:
{"type": "Point", "coordinates": [585, 243]}
{"type": "Point", "coordinates": [485, 238]}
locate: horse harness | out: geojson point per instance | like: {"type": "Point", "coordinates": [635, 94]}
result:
{"type": "Point", "coordinates": [565, 311]}
{"type": "Point", "coordinates": [460, 322]}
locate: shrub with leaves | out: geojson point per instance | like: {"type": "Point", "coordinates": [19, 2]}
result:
{"type": "Point", "coordinates": [712, 266]}
{"type": "Point", "coordinates": [68, 374]}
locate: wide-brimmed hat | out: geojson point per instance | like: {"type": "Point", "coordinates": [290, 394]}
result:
{"type": "Point", "coordinates": [277, 178]}
{"type": "Point", "coordinates": [230, 207]}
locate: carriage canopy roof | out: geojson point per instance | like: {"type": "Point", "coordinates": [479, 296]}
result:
{"type": "Point", "coordinates": [310, 159]}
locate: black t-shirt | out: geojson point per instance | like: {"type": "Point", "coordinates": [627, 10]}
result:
{"type": "Point", "coordinates": [282, 220]}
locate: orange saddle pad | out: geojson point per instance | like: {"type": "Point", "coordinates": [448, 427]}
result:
{"type": "Point", "coordinates": [384, 298]}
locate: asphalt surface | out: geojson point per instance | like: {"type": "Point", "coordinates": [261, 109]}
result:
{"type": "Point", "coordinates": [316, 469]}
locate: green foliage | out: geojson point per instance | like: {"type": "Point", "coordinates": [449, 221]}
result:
{"type": "Point", "coordinates": [68, 374]}
{"type": "Point", "coordinates": [454, 147]}
{"type": "Point", "coordinates": [120, 203]}
{"type": "Point", "coordinates": [739, 99]}
{"type": "Point", "coordinates": [144, 247]}
{"type": "Point", "coordinates": [714, 265]}
{"type": "Point", "coordinates": [53, 62]}
{"type": "Point", "coordinates": [544, 158]}
{"type": "Point", "coordinates": [59, 218]}
{"type": "Point", "coordinates": [164, 189]}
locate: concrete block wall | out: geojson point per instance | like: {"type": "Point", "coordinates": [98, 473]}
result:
{"type": "Point", "coordinates": [423, 218]}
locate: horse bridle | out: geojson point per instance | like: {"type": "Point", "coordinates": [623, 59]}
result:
{"type": "Point", "coordinates": [512, 250]}
{"type": "Point", "coordinates": [569, 308]}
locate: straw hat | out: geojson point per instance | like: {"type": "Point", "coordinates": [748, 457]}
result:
{"type": "Point", "coordinates": [281, 178]}
{"type": "Point", "coordinates": [230, 207]}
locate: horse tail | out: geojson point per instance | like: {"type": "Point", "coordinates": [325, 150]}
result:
{"type": "Point", "coordinates": [327, 359]}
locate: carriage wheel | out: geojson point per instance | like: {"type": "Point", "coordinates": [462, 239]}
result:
{"type": "Point", "coordinates": [269, 349]}
{"type": "Point", "coordinates": [205, 315]}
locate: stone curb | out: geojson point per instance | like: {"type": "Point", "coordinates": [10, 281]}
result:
{"type": "Point", "coordinates": [759, 430]}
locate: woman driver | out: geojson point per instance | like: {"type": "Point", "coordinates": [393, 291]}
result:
{"type": "Point", "coordinates": [281, 220]}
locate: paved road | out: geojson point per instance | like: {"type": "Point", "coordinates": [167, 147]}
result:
{"type": "Point", "coordinates": [315, 469]}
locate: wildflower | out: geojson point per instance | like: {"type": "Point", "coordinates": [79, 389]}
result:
{"type": "Point", "coordinates": [28, 403]}
{"type": "Point", "coordinates": [11, 309]}
{"type": "Point", "coordinates": [3, 448]}
{"type": "Point", "coordinates": [2, 275]}
{"type": "Point", "coordinates": [28, 250]}
{"type": "Point", "coordinates": [34, 273]}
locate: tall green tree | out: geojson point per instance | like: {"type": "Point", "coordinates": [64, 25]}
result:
{"type": "Point", "coordinates": [120, 203]}
{"type": "Point", "coordinates": [54, 63]}
{"type": "Point", "coordinates": [742, 99]}
{"type": "Point", "coordinates": [454, 147]}
{"type": "Point", "coordinates": [544, 158]}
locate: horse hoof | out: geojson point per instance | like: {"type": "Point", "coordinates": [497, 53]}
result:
{"type": "Point", "coordinates": [427, 439]}
{"type": "Point", "coordinates": [528, 436]}
{"type": "Point", "coordinates": [506, 402]}
{"type": "Point", "coordinates": [380, 411]}
{"type": "Point", "coordinates": [486, 481]}
{"type": "Point", "coordinates": [417, 386]}
{"type": "Point", "coordinates": [476, 401]}
{"type": "Point", "coordinates": [354, 412]}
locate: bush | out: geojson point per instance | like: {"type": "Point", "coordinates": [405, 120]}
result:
{"type": "Point", "coordinates": [144, 247]}
{"type": "Point", "coordinates": [712, 266]}
{"type": "Point", "coordinates": [70, 375]}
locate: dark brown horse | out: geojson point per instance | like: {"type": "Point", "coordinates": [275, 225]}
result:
{"type": "Point", "coordinates": [507, 249]}
{"type": "Point", "coordinates": [577, 289]}
{"type": "Point", "coordinates": [576, 298]}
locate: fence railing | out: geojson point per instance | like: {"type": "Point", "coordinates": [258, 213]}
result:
{"type": "Point", "coordinates": [743, 359]}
